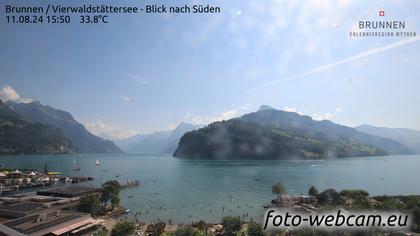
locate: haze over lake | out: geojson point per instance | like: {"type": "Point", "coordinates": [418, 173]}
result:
{"type": "Point", "coordinates": [187, 190]}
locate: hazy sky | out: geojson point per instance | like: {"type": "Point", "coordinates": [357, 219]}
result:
{"type": "Point", "coordinates": [143, 73]}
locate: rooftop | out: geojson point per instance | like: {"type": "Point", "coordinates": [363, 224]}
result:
{"type": "Point", "coordinates": [69, 192]}
{"type": "Point", "coordinates": [47, 222]}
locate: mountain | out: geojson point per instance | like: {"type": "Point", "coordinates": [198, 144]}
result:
{"type": "Point", "coordinates": [19, 136]}
{"type": "Point", "coordinates": [306, 126]}
{"type": "Point", "coordinates": [82, 140]}
{"type": "Point", "coordinates": [276, 134]}
{"type": "Point", "coordinates": [408, 137]}
{"type": "Point", "coordinates": [265, 107]}
{"type": "Point", "coordinates": [153, 143]}
{"type": "Point", "coordinates": [174, 137]}
{"type": "Point", "coordinates": [158, 142]}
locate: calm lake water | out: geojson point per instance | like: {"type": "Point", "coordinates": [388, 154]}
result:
{"type": "Point", "coordinates": [186, 191]}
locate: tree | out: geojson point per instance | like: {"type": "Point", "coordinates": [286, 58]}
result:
{"type": "Point", "coordinates": [123, 228]}
{"type": "Point", "coordinates": [115, 201]}
{"type": "Point", "coordinates": [90, 204]}
{"type": "Point", "coordinates": [186, 231]}
{"type": "Point", "coordinates": [312, 191]}
{"type": "Point", "coordinates": [110, 192]}
{"type": "Point", "coordinates": [278, 189]}
{"type": "Point", "coordinates": [231, 224]}
{"type": "Point", "coordinates": [330, 197]}
{"type": "Point", "coordinates": [155, 229]}
{"type": "Point", "coordinates": [254, 229]}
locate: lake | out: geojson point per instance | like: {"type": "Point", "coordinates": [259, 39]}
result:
{"type": "Point", "coordinates": [187, 190]}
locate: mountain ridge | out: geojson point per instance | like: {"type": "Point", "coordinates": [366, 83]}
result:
{"type": "Point", "coordinates": [276, 134]}
{"type": "Point", "coordinates": [161, 142]}
{"type": "Point", "coordinates": [408, 137]}
{"type": "Point", "coordinates": [20, 136]}
{"type": "Point", "coordinates": [305, 125]}
{"type": "Point", "coordinates": [82, 140]}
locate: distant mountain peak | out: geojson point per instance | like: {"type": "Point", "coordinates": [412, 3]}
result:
{"type": "Point", "coordinates": [157, 142]}
{"type": "Point", "coordinates": [408, 137]}
{"type": "Point", "coordinates": [265, 107]}
{"type": "Point", "coordinates": [187, 126]}
{"type": "Point", "coordinates": [182, 124]}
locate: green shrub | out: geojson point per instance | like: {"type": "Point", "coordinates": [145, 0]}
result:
{"type": "Point", "coordinates": [354, 193]}
{"type": "Point", "coordinates": [231, 224]}
{"type": "Point", "coordinates": [330, 197]}
{"type": "Point", "coordinates": [254, 229]}
{"type": "Point", "coordinates": [186, 231]}
{"type": "Point", "coordinates": [123, 228]}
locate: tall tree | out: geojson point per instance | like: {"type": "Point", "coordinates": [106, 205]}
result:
{"type": "Point", "coordinates": [110, 192]}
{"type": "Point", "coordinates": [312, 191]}
{"type": "Point", "coordinates": [279, 190]}
{"type": "Point", "coordinates": [90, 204]}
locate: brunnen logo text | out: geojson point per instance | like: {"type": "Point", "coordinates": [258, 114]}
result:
{"type": "Point", "coordinates": [384, 28]}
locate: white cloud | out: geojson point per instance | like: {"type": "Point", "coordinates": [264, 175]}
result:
{"type": "Point", "coordinates": [226, 115]}
{"type": "Point", "coordinates": [126, 99]}
{"type": "Point", "coordinates": [236, 112]}
{"type": "Point", "coordinates": [326, 116]}
{"type": "Point", "coordinates": [315, 116]}
{"type": "Point", "coordinates": [338, 109]}
{"type": "Point", "coordinates": [293, 109]}
{"type": "Point", "coordinates": [7, 93]}
{"type": "Point", "coordinates": [100, 128]}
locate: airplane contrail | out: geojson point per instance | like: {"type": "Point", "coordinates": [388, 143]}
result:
{"type": "Point", "coordinates": [339, 62]}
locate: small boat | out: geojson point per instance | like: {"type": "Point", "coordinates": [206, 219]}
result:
{"type": "Point", "coordinates": [97, 162]}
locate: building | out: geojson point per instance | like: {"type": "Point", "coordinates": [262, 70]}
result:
{"type": "Point", "coordinates": [55, 222]}
{"type": "Point", "coordinates": [69, 192]}
{"type": "Point", "coordinates": [46, 212]}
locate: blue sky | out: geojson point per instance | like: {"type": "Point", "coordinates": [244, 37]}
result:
{"type": "Point", "coordinates": [143, 73]}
